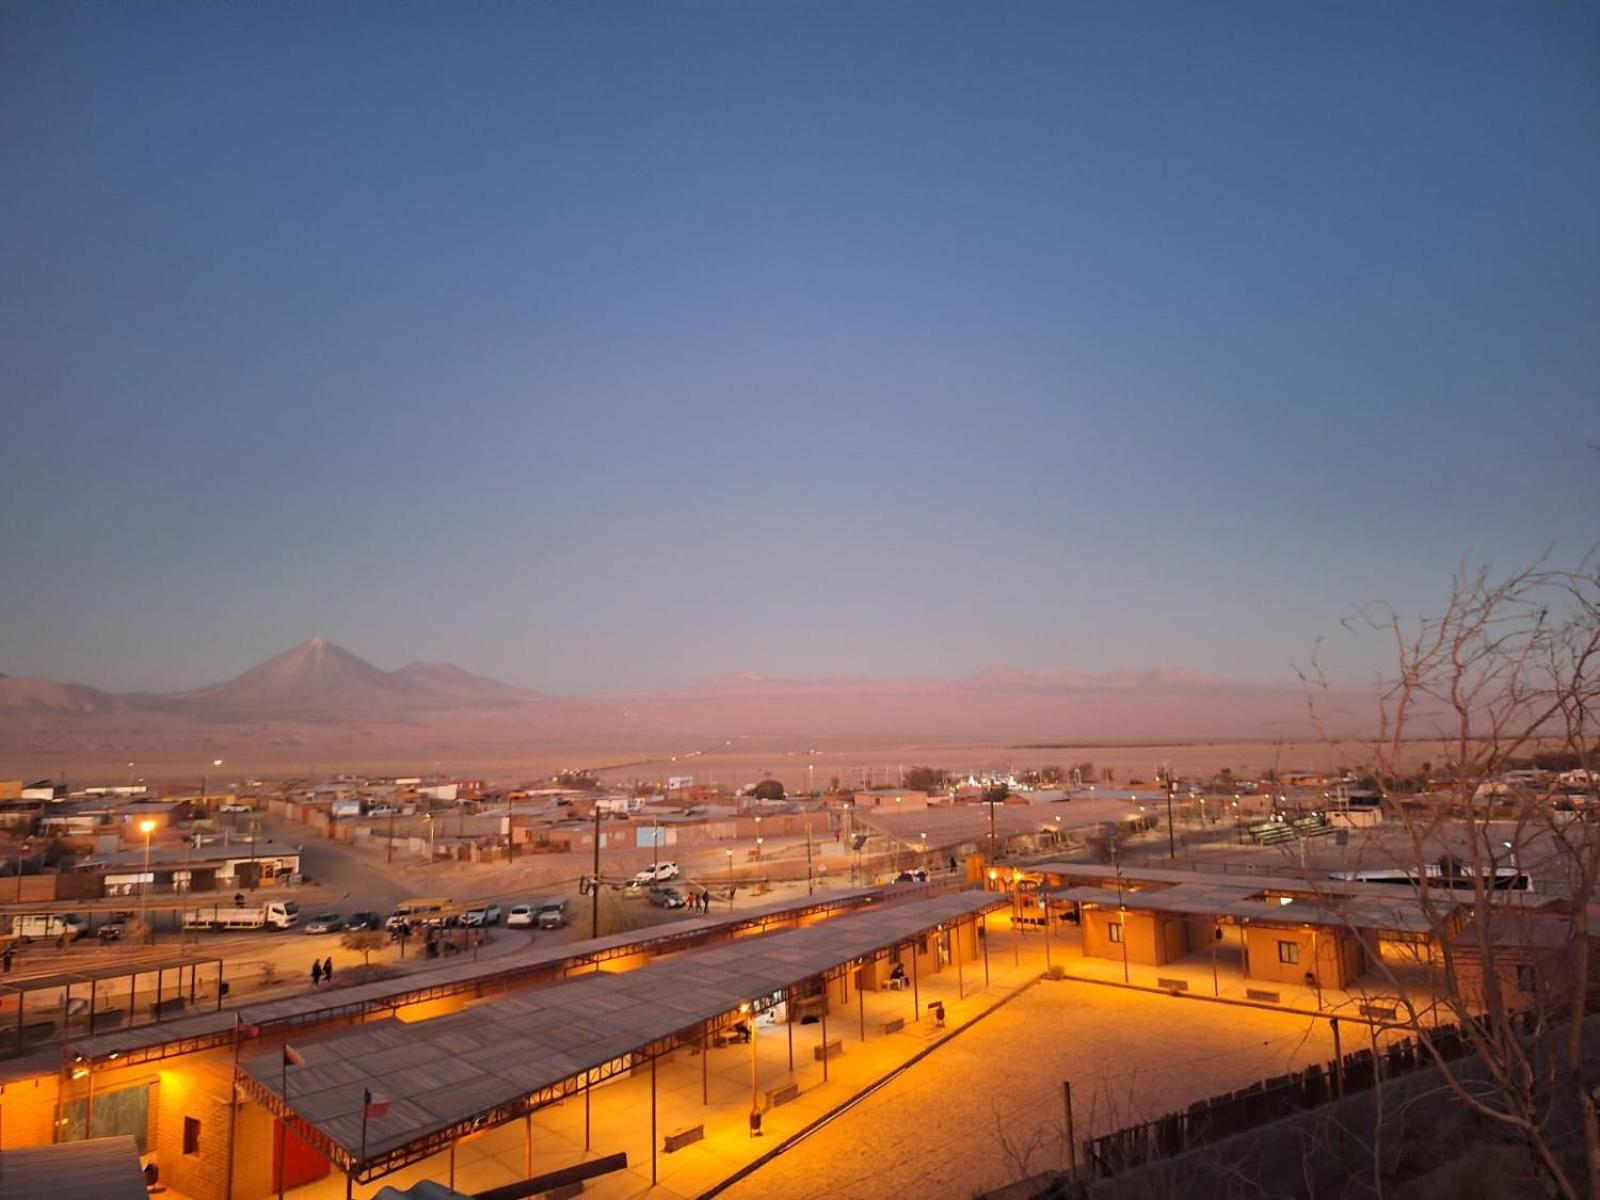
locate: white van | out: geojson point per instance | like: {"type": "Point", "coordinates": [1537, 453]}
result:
{"type": "Point", "coordinates": [48, 925]}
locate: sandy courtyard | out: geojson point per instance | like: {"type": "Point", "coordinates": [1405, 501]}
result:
{"type": "Point", "coordinates": [987, 1107]}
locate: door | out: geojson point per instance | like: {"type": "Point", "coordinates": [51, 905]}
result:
{"type": "Point", "coordinates": [300, 1163]}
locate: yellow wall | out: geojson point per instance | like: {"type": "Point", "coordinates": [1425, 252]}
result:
{"type": "Point", "coordinates": [1334, 955]}
{"type": "Point", "coordinates": [1153, 939]}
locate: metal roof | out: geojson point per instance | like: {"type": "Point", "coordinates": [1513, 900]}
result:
{"type": "Point", "coordinates": [1401, 914]}
{"type": "Point", "coordinates": [188, 1034]}
{"type": "Point", "coordinates": [121, 969]}
{"type": "Point", "coordinates": [106, 1168]}
{"type": "Point", "coordinates": [449, 1075]}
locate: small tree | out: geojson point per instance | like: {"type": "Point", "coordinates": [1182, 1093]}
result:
{"type": "Point", "coordinates": [365, 942]}
{"type": "Point", "coordinates": [1509, 666]}
{"type": "Point", "coordinates": [768, 789]}
{"type": "Point", "coordinates": [925, 779]}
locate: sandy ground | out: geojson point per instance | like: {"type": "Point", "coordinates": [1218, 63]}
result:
{"type": "Point", "coordinates": [988, 1107]}
{"type": "Point", "coordinates": [799, 764]}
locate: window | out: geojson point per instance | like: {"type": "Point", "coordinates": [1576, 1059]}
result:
{"type": "Point", "coordinates": [191, 1136]}
{"type": "Point", "coordinates": [1527, 979]}
{"type": "Point", "coordinates": [1289, 952]}
{"type": "Point", "coordinates": [1114, 931]}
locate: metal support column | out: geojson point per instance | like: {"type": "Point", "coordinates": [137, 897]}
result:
{"type": "Point", "coordinates": [824, 1042]}
{"type": "Point", "coordinates": [983, 936]}
{"type": "Point", "coordinates": [94, 986]}
{"type": "Point", "coordinates": [861, 1007]}
{"type": "Point", "coordinates": [653, 1058]}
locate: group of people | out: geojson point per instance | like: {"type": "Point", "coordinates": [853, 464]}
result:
{"type": "Point", "coordinates": [321, 972]}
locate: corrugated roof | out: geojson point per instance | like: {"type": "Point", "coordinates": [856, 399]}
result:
{"type": "Point", "coordinates": [311, 1006]}
{"type": "Point", "coordinates": [1401, 914]}
{"type": "Point", "coordinates": [105, 1168]}
{"type": "Point", "coordinates": [452, 1069]}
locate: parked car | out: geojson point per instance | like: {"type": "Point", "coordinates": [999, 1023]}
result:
{"type": "Point", "coordinates": [364, 920]}
{"type": "Point", "coordinates": [917, 876]}
{"type": "Point", "coordinates": [660, 873]}
{"type": "Point", "coordinates": [667, 897]}
{"type": "Point", "coordinates": [552, 914]}
{"type": "Point", "coordinates": [236, 808]}
{"type": "Point", "coordinates": [382, 810]}
{"type": "Point", "coordinates": [114, 927]}
{"type": "Point", "coordinates": [482, 914]}
{"type": "Point", "coordinates": [325, 923]}
{"type": "Point", "coordinates": [521, 916]}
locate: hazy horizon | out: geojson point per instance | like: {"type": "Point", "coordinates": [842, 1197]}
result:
{"type": "Point", "coordinates": [609, 349]}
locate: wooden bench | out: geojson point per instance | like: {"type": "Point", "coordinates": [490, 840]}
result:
{"type": "Point", "coordinates": [782, 1095]}
{"type": "Point", "coordinates": [1173, 985]}
{"type": "Point", "coordinates": [1264, 997]}
{"type": "Point", "coordinates": [831, 1049]}
{"type": "Point", "coordinates": [894, 1026]}
{"type": "Point", "coordinates": [680, 1138]}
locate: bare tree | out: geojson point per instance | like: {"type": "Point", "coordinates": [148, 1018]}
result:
{"type": "Point", "coordinates": [1507, 677]}
{"type": "Point", "coordinates": [365, 942]}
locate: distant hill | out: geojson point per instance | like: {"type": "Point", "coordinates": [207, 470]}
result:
{"type": "Point", "coordinates": [47, 696]}
{"type": "Point", "coordinates": [319, 694]}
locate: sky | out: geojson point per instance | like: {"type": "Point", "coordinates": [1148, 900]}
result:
{"type": "Point", "coordinates": [603, 347]}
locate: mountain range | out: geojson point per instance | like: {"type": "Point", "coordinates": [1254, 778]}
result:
{"type": "Point", "coordinates": [319, 693]}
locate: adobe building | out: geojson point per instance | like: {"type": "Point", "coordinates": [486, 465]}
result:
{"type": "Point", "coordinates": [1281, 929]}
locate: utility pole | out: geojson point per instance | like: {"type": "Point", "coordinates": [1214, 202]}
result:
{"type": "Point", "coordinates": [1172, 788]}
{"type": "Point", "coordinates": [809, 889]}
{"type": "Point", "coordinates": [594, 885]}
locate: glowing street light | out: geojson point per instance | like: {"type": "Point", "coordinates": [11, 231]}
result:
{"type": "Point", "coordinates": [146, 827]}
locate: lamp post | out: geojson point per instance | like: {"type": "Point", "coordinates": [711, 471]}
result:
{"type": "Point", "coordinates": [1122, 913]}
{"type": "Point", "coordinates": [215, 762]}
{"type": "Point", "coordinates": [730, 878]}
{"type": "Point", "coordinates": [429, 818]}
{"type": "Point", "coordinates": [146, 827]}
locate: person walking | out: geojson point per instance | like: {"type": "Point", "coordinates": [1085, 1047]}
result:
{"type": "Point", "coordinates": [327, 969]}
{"type": "Point", "coordinates": [316, 973]}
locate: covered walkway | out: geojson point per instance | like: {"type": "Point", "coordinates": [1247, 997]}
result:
{"type": "Point", "coordinates": [659, 1036]}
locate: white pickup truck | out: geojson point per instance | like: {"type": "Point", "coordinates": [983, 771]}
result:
{"type": "Point", "coordinates": [275, 914]}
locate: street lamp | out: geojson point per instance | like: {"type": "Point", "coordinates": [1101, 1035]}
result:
{"type": "Point", "coordinates": [146, 827]}
{"type": "Point", "coordinates": [429, 818]}
{"type": "Point", "coordinates": [730, 877]}
{"type": "Point", "coordinates": [215, 762]}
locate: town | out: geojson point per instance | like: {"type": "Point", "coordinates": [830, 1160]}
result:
{"type": "Point", "coordinates": [355, 953]}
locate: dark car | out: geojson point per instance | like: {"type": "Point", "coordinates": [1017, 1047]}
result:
{"type": "Point", "coordinates": [364, 920]}
{"type": "Point", "coordinates": [915, 876]}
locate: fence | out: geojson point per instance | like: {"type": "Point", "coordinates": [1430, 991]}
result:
{"type": "Point", "coordinates": [1262, 1103]}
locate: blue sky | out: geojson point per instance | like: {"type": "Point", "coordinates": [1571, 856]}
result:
{"type": "Point", "coordinates": [612, 346]}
